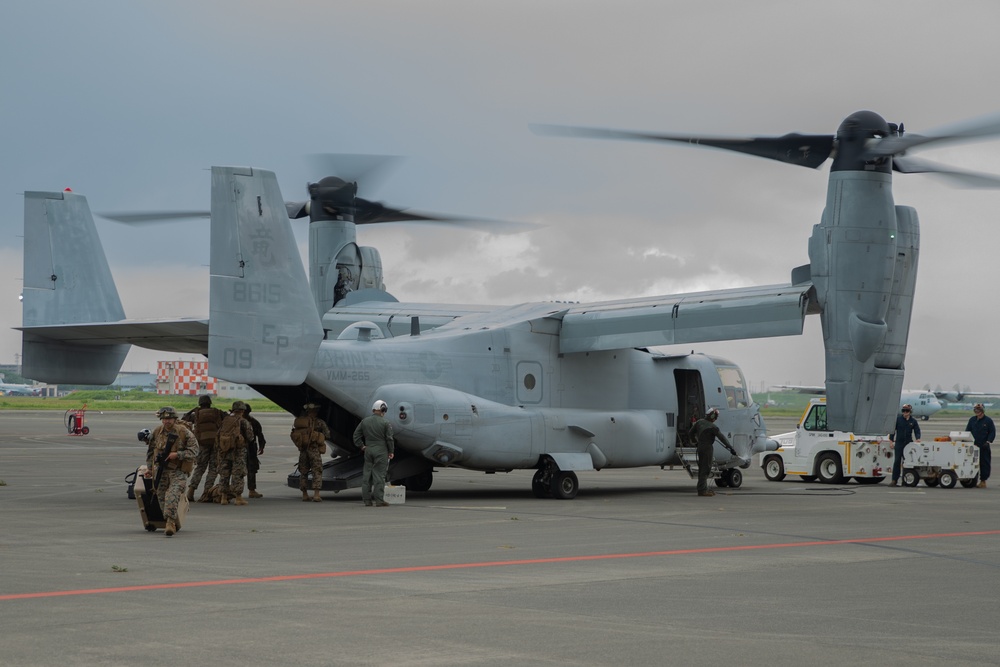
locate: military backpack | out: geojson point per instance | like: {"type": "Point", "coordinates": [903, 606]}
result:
{"type": "Point", "coordinates": [230, 435]}
{"type": "Point", "coordinates": [304, 434]}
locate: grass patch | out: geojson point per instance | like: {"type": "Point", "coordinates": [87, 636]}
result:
{"type": "Point", "coordinates": [100, 400]}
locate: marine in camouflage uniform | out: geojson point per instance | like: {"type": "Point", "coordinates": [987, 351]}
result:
{"type": "Point", "coordinates": [183, 453]}
{"type": "Point", "coordinates": [233, 463]}
{"type": "Point", "coordinates": [310, 457]}
{"type": "Point", "coordinates": [374, 437]}
{"type": "Point", "coordinates": [206, 421]}
{"type": "Point", "coordinates": [253, 462]}
{"type": "Point", "coordinates": [704, 432]}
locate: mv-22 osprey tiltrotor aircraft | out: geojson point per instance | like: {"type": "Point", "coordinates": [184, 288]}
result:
{"type": "Point", "coordinates": [555, 387]}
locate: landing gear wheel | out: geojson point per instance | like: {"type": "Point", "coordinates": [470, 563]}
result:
{"type": "Point", "coordinates": [774, 468]}
{"type": "Point", "coordinates": [421, 482]}
{"type": "Point", "coordinates": [538, 486]}
{"type": "Point", "coordinates": [910, 477]}
{"type": "Point", "coordinates": [734, 478]}
{"type": "Point", "coordinates": [565, 485]}
{"type": "Point", "coordinates": [948, 479]}
{"type": "Point", "coordinates": [829, 469]}
{"type": "Point", "coordinates": [969, 483]}
{"type": "Point", "coordinates": [722, 481]}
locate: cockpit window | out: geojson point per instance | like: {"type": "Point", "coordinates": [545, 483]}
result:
{"type": "Point", "coordinates": [816, 419]}
{"type": "Point", "coordinates": [737, 394]}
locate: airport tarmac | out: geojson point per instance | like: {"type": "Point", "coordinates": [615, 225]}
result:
{"type": "Point", "coordinates": [637, 570]}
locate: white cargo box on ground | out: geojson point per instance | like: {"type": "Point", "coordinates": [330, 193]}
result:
{"type": "Point", "coordinates": [943, 462]}
{"type": "Point", "coordinates": [395, 495]}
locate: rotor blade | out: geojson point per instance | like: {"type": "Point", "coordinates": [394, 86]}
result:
{"type": "Point", "coordinates": [372, 213]}
{"type": "Point", "coordinates": [158, 216]}
{"type": "Point", "coordinates": [369, 171]}
{"type": "Point", "coordinates": [297, 209]}
{"type": "Point", "coordinates": [977, 128]}
{"type": "Point", "coordinates": [806, 150]}
{"type": "Point", "coordinates": [960, 177]}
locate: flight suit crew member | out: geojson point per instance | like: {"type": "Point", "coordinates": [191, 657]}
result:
{"type": "Point", "coordinates": [253, 463]}
{"type": "Point", "coordinates": [374, 436]}
{"type": "Point", "coordinates": [984, 433]}
{"type": "Point", "coordinates": [206, 421]}
{"type": "Point", "coordinates": [704, 432]}
{"type": "Point", "coordinates": [907, 431]}
{"type": "Point", "coordinates": [310, 449]}
{"type": "Point", "coordinates": [235, 435]}
{"type": "Point", "coordinates": [180, 461]}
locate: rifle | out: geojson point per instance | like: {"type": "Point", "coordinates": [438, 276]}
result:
{"type": "Point", "coordinates": [161, 460]}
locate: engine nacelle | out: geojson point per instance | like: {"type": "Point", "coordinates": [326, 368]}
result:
{"type": "Point", "coordinates": [863, 258]}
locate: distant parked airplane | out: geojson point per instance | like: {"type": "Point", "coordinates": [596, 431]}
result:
{"type": "Point", "coordinates": [924, 402]}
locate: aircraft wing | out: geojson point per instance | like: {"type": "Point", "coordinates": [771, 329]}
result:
{"type": "Point", "coordinates": [186, 336]}
{"type": "Point", "coordinates": [750, 312]}
{"type": "Point", "coordinates": [803, 389]}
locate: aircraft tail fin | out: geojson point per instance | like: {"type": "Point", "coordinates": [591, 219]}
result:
{"type": "Point", "coordinates": [263, 324]}
{"type": "Point", "coordinates": [66, 281]}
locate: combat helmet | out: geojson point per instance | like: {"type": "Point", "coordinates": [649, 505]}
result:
{"type": "Point", "coordinates": [239, 405]}
{"type": "Point", "coordinates": [166, 412]}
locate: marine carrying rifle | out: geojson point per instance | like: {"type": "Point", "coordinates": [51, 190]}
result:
{"type": "Point", "coordinates": [161, 460]}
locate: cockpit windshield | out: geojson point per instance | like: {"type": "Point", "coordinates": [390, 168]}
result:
{"type": "Point", "coordinates": [737, 394]}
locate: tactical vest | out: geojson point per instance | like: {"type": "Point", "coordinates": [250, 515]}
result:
{"type": "Point", "coordinates": [159, 439]}
{"type": "Point", "coordinates": [206, 425]}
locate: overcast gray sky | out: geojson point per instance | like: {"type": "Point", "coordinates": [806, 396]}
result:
{"type": "Point", "coordinates": [130, 102]}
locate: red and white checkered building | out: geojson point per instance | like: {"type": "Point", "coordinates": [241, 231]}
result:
{"type": "Point", "coordinates": [186, 378]}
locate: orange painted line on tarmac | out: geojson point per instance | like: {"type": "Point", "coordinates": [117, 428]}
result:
{"type": "Point", "coordinates": [499, 563]}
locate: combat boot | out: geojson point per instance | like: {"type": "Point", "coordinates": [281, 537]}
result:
{"type": "Point", "coordinates": [305, 496]}
{"type": "Point", "coordinates": [240, 500]}
{"type": "Point", "coordinates": [316, 498]}
{"type": "Point", "coordinates": [253, 494]}
{"type": "Point", "coordinates": [223, 499]}
{"type": "Point", "coordinates": [171, 528]}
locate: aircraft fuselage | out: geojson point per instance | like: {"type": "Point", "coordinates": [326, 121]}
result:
{"type": "Point", "coordinates": [500, 397]}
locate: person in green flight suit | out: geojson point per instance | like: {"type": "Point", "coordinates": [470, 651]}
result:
{"type": "Point", "coordinates": [374, 437]}
{"type": "Point", "coordinates": [704, 432]}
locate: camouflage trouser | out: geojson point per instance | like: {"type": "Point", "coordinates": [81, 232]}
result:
{"type": "Point", "coordinates": [206, 461]}
{"type": "Point", "coordinates": [232, 471]}
{"type": "Point", "coordinates": [310, 461]}
{"type": "Point", "coordinates": [173, 484]}
{"type": "Point", "coordinates": [373, 477]}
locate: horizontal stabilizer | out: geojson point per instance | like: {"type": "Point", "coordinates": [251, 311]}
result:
{"type": "Point", "coordinates": [66, 281]}
{"type": "Point", "coordinates": [185, 336]}
{"type": "Point", "coordinates": [752, 312]}
{"type": "Point", "coordinates": [263, 323]}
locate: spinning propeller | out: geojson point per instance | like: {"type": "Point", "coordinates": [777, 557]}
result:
{"type": "Point", "coordinates": [336, 198]}
{"type": "Point", "coordinates": [863, 141]}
